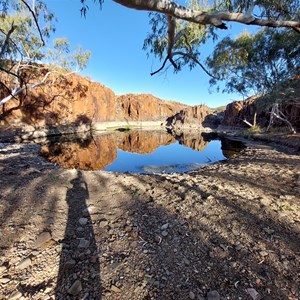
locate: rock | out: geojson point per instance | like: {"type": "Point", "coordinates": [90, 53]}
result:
{"type": "Point", "coordinates": [80, 229]}
{"type": "Point", "coordinates": [83, 243]}
{"type": "Point", "coordinates": [23, 264]}
{"type": "Point", "coordinates": [69, 264]}
{"type": "Point", "coordinates": [165, 226]}
{"type": "Point", "coordinates": [192, 295]}
{"type": "Point", "coordinates": [213, 295]}
{"type": "Point", "coordinates": [128, 229]}
{"type": "Point", "coordinates": [41, 239]}
{"type": "Point", "coordinates": [254, 294]}
{"type": "Point", "coordinates": [76, 288]}
{"type": "Point", "coordinates": [2, 269]}
{"type": "Point", "coordinates": [15, 295]}
{"type": "Point", "coordinates": [263, 253]}
{"type": "Point", "coordinates": [103, 223]}
{"type": "Point", "coordinates": [268, 230]}
{"type": "Point", "coordinates": [83, 221]}
{"type": "Point", "coordinates": [186, 261]}
{"type": "Point", "coordinates": [4, 280]}
{"type": "Point", "coordinates": [164, 233]}
{"type": "Point", "coordinates": [115, 289]}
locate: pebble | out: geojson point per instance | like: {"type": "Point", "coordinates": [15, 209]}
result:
{"type": "Point", "coordinates": [83, 243]}
{"type": "Point", "coordinates": [165, 226]}
{"type": "Point", "coordinates": [15, 295]}
{"type": "Point", "coordinates": [103, 224]}
{"type": "Point", "coordinates": [263, 253]}
{"type": "Point", "coordinates": [2, 269]}
{"type": "Point", "coordinates": [80, 229]}
{"type": "Point", "coordinates": [213, 295]}
{"type": "Point", "coordinates": [83, 221]}
{"type": "Point", "coordinates": [115, 289]}
{"type": "Point", "coordinates": [5, 280]}
{"type": "Point", "coordinates": [23, 264]}
{"type": "Point", "coordinates": [76, 288]}
{"type": "Point", "coordinates": [164, 233]}
{"type": "Point", "coordinates": [192, 295]}
{"type": "Point", "coordinates": [42, 238]}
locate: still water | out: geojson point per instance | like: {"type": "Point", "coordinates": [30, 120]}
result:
{"type": "Point", "coordinates": [140, 151]}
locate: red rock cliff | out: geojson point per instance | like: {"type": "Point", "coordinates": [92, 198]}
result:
{"type": "Point", "coordinates": [145, 107]}
{"type": "Point", "coordinates": [72, 100]}
{"type": "Point", "coordinates": [68, 101]}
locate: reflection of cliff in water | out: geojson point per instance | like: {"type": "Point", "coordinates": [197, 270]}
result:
{"type": "Point", "coordinates": [84, 154]}
{"type": "Point", "coordinates": [231, 148]}
{"type": "Point", "coordinates": [193, 140]}
{"type": "Point", "coordinates": [144, 142]}
{"type": "Point", "coordinates": [96, 152]}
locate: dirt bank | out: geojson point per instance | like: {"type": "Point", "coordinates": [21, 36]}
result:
{"type": "Point", "coordinates": [232, 228]}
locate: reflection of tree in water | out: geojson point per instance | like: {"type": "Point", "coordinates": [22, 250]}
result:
{"type": "Point", "coordinates": [79, 271]}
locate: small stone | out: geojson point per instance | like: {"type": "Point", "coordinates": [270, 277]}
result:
{"type": "Point", "coordinates": [83, 243]}
{"type": "Point", "coordinates": [23, 264]}
{"type": "Point", "coordinates": [268, 230]}
{"type": "Point", "coordinates": [4, 280]}
{"type": "Point", "coordinates": [164, 233]}
{"type": "Point", "coordinates": [42, 238]}
{"type": "Point", "coordinates": [80, 229]}
{"type": "Point", "coordinates": [186, 261]}
{"type": "Point", "coordinates": [69, 264]}
{"type": "Point", "coordinates": [192, 295]}
{"type": "Point", "coordinates": [134, 244]}
{"type": "Point", "coordinates": [103, 223]}
{"type": "Point", "coordinates": [115, 289]}
{"type": "Point", "coordinates": [128, 229]}
{"type": "Point", "coordinates": [164, 226]}
{"type": "Point", "coordinates": [213, 295]}
{"type": "Point", "coordinates": [2, 269]}
{"type": "Point", "coordinates": [263, 253]}
{"type": "Point", "coordinates": [15, 295]}
{"type": "Point", "coordinates": [83, 221]}
{"type": "Point", "coordinates": [76, 288]}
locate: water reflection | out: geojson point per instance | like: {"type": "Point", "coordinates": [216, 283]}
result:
{"type": "Point", "coordinates": [139, 151]}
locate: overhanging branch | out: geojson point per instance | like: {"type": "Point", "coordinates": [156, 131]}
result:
{"type": "Point", "coordinates": [201, 17]}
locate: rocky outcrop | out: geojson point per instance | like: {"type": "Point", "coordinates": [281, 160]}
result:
{"type": "Point", "coordinates": [71, 100]}
{"type": "Point", "coordinates": [190, 116]}
{"type": "Point", "coordinates": [285, 94]}
{"type": "Point", "coordinates": [145, 107]}
{"type": "Point", "coordinates": [238, 111]}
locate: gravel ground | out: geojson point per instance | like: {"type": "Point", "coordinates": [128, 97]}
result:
{"type": "Point", "coordinates": [228, 231]}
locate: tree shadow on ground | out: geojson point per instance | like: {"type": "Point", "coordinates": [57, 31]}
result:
{"type": "Point", "coordinates": [202, 242]}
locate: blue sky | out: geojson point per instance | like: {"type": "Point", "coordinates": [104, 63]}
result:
{"type": "Point", "coordinates": [115, 37]}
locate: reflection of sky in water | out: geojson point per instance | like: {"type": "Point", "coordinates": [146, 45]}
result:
{"type": "Point", "coordinates": [168, 159]}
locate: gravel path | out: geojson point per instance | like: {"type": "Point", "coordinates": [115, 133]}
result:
{"type": "Point", "coordinates": [228, 231]}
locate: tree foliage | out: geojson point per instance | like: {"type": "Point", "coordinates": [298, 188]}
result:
{"type": "Point", "coordinates": [255, 63]}
{"type": "Point", "coordinates": [26, 57]}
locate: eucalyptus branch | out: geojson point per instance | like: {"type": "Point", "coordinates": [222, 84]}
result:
{"type": "Point", "coordinates": [7, 37]}
{"type": "Point", "coordinates": [189, 55]}
{"type": "Point", "coordinates": [35, 20]}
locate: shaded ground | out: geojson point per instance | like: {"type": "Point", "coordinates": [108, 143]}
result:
{"type": "Point", "coordinates": [228, 227]}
